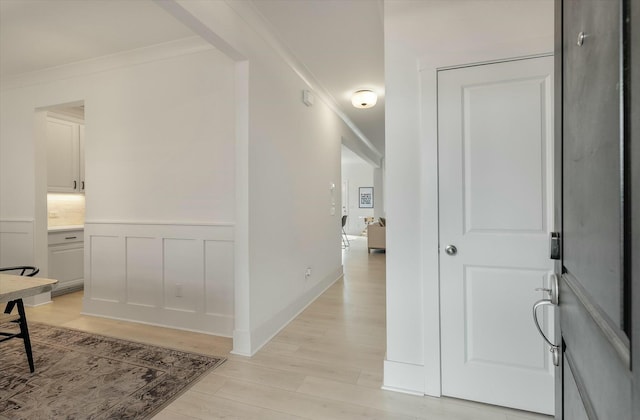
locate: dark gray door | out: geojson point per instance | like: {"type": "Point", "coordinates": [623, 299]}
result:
{"type": "Point", "coordinates": [596, 379]}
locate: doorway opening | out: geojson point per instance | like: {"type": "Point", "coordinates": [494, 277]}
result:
{"type": "Point", "coordinates": [63, 131]}
{"type": "Point", "coordinates": [356, 174]}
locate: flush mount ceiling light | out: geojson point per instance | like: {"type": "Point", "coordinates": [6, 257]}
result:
{"type": "Point", "coordinates": [364, 98]}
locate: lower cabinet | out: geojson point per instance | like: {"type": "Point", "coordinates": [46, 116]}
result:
{"type": "Point", "coordinates": [66, 260]}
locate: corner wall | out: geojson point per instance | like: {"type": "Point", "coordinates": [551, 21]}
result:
{"type": "Point", "coordinates": [291, 216]}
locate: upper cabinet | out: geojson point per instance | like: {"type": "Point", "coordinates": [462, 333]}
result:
{"type": "Point", "coordinates": [65, 156]}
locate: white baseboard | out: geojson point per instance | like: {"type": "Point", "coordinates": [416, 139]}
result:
{"type": "Point", "coordinates": [214, 324]}
{"type": "Point", "coordinates": [403, 377]}
{"type": "Point", "coordinates": [241, 343]}
{"type": "Point", "coordinates": [261, 335]}
{"type": "Point", "coordinates": [38, 300]}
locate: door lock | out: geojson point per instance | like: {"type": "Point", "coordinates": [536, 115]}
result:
{"type": "Point", "coordinates": [555, 246]}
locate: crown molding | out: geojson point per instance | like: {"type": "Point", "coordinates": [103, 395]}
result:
{"type": "Point", "coordinates": [101, 64]}
{"type": "Point", "coordinates": [265, 30]}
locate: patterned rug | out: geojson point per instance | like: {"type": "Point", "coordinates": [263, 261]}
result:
{"type": "Point", "coordinates": [81, 375]}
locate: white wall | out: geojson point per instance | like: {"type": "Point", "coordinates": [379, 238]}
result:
{"type": "Point", "coordinates": [421, 37]}
{"type": "Point", "coordinates": [357, 174]}
{"type": "Point", "coordinates": [378, 184]}
{"type": "Point", "coordinates": [159, 154]}
{"type": "Point", "coordinates": [153, 179]}
{"type": "Point", "coordinates": [160, 141]}
{"type": "Point", "coordinates": [292, 152]}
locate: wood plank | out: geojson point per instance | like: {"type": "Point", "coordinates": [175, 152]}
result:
{"type": "Point", "coordinates": [287, 379]}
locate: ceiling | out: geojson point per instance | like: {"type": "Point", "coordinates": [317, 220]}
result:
{"type": "Point", "coordinates": [38, 34]}
{"type": "Point", "coordinates": [340, 42]}
{"type": "Point", "coordinates": [350, 158]}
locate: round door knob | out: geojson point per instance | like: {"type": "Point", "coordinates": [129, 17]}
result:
{"type": "Point", "coordinates": [451, 250]}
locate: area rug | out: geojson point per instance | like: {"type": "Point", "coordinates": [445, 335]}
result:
{"type": "Point", "coordinates": [80, 375]}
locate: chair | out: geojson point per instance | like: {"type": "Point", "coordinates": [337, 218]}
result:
{"type": "Point", "coordinates": [345, 240]}
{"type": "Point", "coordinates": [377, 235]}
{"type": "Point", "coordinates": [19, 318]}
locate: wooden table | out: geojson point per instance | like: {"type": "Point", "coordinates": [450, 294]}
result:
{"type": "Point", "coordinates": [17, 287]}
{"type": "Point", "coordinates": [13, 289]}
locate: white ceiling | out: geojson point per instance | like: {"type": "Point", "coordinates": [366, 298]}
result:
{"type": "Point", "coordinates": [38, 34]}
{"type": "Point", "coordinates": [340, 42]}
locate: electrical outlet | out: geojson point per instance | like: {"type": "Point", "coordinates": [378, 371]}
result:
{"type": "Point", "coordinates": [307, 273]}
{"type": "Point", "coordinates": [179, 290]}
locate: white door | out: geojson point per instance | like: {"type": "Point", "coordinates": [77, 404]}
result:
{"type": "Point", "coordinates": [495, 175]}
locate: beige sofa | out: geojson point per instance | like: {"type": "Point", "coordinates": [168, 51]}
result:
{"type": "Point", "coordinates": [376, 236]}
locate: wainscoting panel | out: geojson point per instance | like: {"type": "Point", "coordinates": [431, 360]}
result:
{"type": "Point", "coordinates": [173, 275]}
{"type": "Point", "coordinates": [16, 242]}
{"type": "Point", "coordinates": [143, 274]}
{"type": "Point", "coordinates": [183, 275]}
{"type": "Point", "coordinates": [218, 268]}
{"type": "Point", "coordinates": [106, 268]}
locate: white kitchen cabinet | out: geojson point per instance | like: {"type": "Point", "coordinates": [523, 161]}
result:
{"type": "Point", "coordinates": [66, 260]}
{"type": "Point", "coordinates": [65, 156]}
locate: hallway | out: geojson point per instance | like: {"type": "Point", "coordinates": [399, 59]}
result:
{"type": "Point", "coordinates": [326, 364]}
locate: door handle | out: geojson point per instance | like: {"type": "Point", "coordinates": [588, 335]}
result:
{"type": "Point", "coordinates": [451, 250]}
{"type": "Point", "coordinates": [553, 348]}
{"type": "Point", "coordinates": [552, 301]}
{"type": "Point", "coordinates": [538, 304]}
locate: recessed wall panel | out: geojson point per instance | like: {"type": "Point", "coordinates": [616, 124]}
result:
{"type": "Point", "coordinates": [219, 277]}
{"type": "Point", "coordinates": [107, 268]}
{"type": "Point", "coordinates": [183, 274]}
{"type": "Point", "coordinates": [144, 271]}
{"type": "Point", "coordinates": [160, 273]}
{"type": "Point", "coordinates": [16, 248]}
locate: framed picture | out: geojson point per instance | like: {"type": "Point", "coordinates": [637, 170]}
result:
{"type": "Point", "coordinates": [366, 197]}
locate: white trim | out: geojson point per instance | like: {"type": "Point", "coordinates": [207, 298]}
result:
{"type": "Point", "coordinates": [263, 28]}
{"type": "Point", "coordinates": [17, 220]}
{"type": "Point", "coordinates": [269, 329]}
{"type": "Point", "coordinates": [155, 324]}
{"type": "Point", "coordinates": [241, 343]}
{"type": "Point", "coordinates": [157, 223]}
{"type": "Point", "coordinates": [38, 300]}
{"type": "Point", "coordinates": [64, 117]}
{"type": "Point", "coordinates": [101, 64]}
{"type": "Point", "coordinates": [218, 325]}
{"type": "Point", "coordinates": [242, 284]}
{"type": "Point", "coordinates": [403, 377]}
{"type": "Point", "coordinates": [487, 62]}
{"type": "Point", "coordinates": [197, 26]}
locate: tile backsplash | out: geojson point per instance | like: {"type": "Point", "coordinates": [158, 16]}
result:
{"type": "Point", "coordinates": [65, 209]}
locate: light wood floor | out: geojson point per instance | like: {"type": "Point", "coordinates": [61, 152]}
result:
{"type": "Point", "coordinates": [326, 364]}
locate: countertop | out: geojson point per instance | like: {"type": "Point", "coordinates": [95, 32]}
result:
{"type": "Point", "coordinates": [65, 228]}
